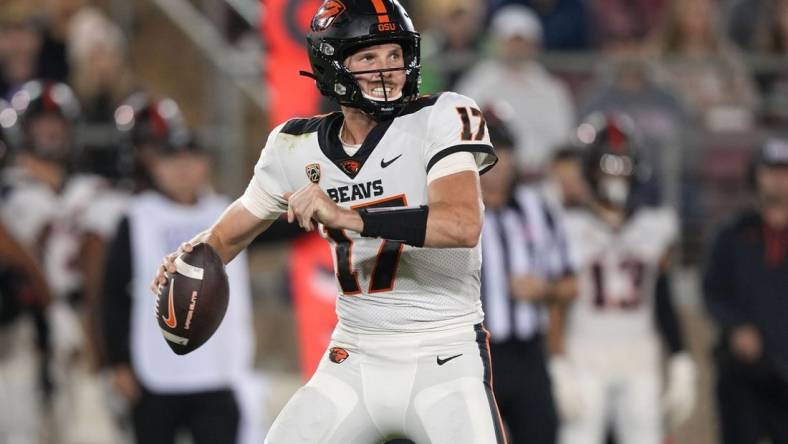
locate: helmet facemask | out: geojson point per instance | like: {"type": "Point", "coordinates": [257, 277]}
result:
{"type": "Point", "coordinates": [350, 30]}
{"type": "Point", "coordinates": [346, 90]}
{"type": "Point", "coordinates": [614, 186]}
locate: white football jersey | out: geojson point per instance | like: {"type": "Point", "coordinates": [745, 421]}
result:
{"type": "Point", "coordinates": [385, 285]}
{"type": "Point", "coordinates": [617, 272]}
{"type": "Point", "coordinates": [56, 222]}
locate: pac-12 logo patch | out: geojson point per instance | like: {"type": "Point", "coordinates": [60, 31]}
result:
{"type": "Point", "coordinates": [327, 14]}
{"type": "Point", "coordinates": [337, 355]}
{"type": "Point", "coordinates": [313, 172]}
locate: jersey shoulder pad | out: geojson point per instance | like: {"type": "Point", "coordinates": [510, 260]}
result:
{"type": "Point", "coordinates": [300, 125]}
{"type": "Point", "coordinates": [419, 104]}
{"type": "Point", "coordinates": [659, 224]}
{"type": "Point", "coordinates": [453, 100]}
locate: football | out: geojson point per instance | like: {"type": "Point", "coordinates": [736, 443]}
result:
{"type": "Point", "coordinates": [192, 304]}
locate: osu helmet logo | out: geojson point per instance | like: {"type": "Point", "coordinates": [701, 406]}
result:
{"type": "Point", "coordinates": [338, 355]}
{"type": "Point", "coordinates": [326, 15]}
{"type": "Point", "coordinates": [313, 172]}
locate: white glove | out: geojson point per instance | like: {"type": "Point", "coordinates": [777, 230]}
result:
{"type": "Point", "coordinates": [566, 389]}
{"type": "Point", "coordinates": [678, 401]}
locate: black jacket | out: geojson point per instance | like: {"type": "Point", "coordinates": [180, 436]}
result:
{"type": "Point", "coordinates": [746, 282]}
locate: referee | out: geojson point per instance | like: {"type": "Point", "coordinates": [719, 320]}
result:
{"type": "Point", "coordinates": [525, 259]}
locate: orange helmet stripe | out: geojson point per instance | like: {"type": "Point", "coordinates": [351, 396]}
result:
{"type": "Point", "coordinates": [380, 9]}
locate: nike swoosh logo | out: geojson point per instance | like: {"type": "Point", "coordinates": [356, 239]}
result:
{"type": "Point", "coordinates": [443, 361]}
{"type": "Point", "coordinates": [384, 164]}
{"type": "Point", "coordinates": [170, 319]}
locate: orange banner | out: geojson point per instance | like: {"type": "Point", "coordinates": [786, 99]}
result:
{"type": "Point", "coordinates": [284, 27]}
{"type": "Point", "coordinates": [313, 286]}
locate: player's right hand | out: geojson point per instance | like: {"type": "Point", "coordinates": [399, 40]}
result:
{"type": "Point", "coordinates": [680, 397]}
{"type": "Point", "coordinates": [567, 389]}
{"type": "Point", "coordinates": [125, 383]}
{"type": "Point", "coordinates": [745, 341]}
{"type": "Point", "coordinates": [168, 266]}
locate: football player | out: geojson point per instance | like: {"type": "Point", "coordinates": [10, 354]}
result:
{"type": "Point", "coordinates": [24, 295]}
{"type": "Point", "coordinates": [202, 394]}
{"type": "Point", "coordinates": [609, 374]}
{"type": "Point", "coordinates": [63, 218]}
{"type": "Point", "coordinates": [392, 182]}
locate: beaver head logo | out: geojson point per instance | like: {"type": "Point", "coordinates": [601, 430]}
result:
{"type": "Point", "coordinates": [326, 15]}
{"type": "Point", "coordinates": [350, 166]}
{"type": "Point", "coordinates": [338, 355]}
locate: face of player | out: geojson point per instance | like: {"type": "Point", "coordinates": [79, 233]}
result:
{"type": "Point", "coordinates": [568, 174]}
{"type": "Point", "coordinates": [378, 86]}
{"type": "Point", "coordinates": [182, 176]}
{"type": "Point", "coordinates": [49, 137]}
{"type": "Point", "coordinates": [613, 190]}
{"type": "Point", "coordinates": [773, 196]}
{"type": "Point", "coordinates": [497, 183]}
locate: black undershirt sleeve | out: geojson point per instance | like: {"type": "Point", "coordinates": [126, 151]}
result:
{"type": "Point", "coordinates": [116, 297]}
{"type": "Point", "coordinates": [667, 321]}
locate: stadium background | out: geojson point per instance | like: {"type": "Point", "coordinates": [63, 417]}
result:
{"type": "Point", "coordinates": [232, 67]}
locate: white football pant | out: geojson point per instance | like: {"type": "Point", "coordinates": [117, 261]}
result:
{"type": "Point", "coordinates": [392, 385]}
{"type": "Point", "coordinates": [620, 387]}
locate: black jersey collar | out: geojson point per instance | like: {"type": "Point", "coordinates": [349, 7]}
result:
{"type": "Point", "coordinates": [328, 137]}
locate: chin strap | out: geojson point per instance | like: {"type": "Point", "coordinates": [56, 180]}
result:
{"type": "Point", "coordinates": [307, 74]}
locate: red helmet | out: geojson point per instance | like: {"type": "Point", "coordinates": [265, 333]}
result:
{"type": "Point", "coordinates": [38, 100]}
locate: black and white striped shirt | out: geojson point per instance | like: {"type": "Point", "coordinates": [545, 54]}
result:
{"type": "Point", "coordinates": [525, 237]}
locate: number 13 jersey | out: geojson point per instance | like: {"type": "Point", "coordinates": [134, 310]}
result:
{"type": "Point", "coordinates": [384, 286]}
{"type": "Point", "coordinates": [617, 273]}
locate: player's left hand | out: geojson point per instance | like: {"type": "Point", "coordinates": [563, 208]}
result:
{"type": "Point", "coordinates": [528, 287]}
{"type": "Point", "coordinates": [678, 401]}
{"type": "Point", "coordinates": [311, 204]}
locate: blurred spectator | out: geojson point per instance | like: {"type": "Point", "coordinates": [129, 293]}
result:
{"type": "Point", "coordinates": [745, 287]}
{"type": "Point", "coordinates": [624, 19]}
{"type": "Point", "coordinates": [55, 22]}
{"type": "Point", "coordinates": [97, 54]}
{"type": "Point", "coordinates": [770, 38]}
{"type": "Point", "coordinates": [704, 68]}
{"type": "Point", "coordinates": [101, 80]}
{"type": "Point", "coordinates": [20, 43]}
{"type": "Point", "coordinates": [206, 391]}
{"type": "Point", "coordinates": [541, 103]}
{"type": "Point", "coordinates": [565, 22]}
{"type": "Point", "coordinates": [525, 268]}
{"type": "Point", "coordinates": [451, 44]}
{"type": "Point", "coordinates": [610, 372]}
{"type": "Point", "coordinates": [743, 18]}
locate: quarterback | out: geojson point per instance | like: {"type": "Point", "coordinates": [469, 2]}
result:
{"type": "Point", "coordinates": [392, 182]}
